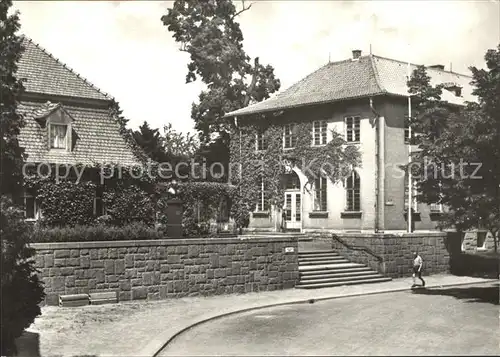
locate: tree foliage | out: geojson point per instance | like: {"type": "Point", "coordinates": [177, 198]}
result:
{"type": "Point", "coordinates": [11, 87]}
{"type": "Point", "coordinates": [459, 148]}
{"type": "Point", "coordinates": [21, 289]}
{"type": "Point", "coordinates": [179, 144]}
{"type": "Point", "coordinates": [209, 33]}
{"type": "Point", "coordinates": [151, 142]}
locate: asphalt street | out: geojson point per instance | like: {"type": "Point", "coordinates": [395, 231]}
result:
{"type": "Point", "coordinates": [453, 320]}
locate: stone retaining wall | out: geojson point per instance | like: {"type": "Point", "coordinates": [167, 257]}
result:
{"type": "Point", "coordinates": [397, 251]}
{"type": "Point", "coordinates": [477, 241]}
{"type": "Point", "coordinates": [157, 269]}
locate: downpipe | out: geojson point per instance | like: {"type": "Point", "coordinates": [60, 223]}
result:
{"type": "Point", "coordinates": [379, 174]}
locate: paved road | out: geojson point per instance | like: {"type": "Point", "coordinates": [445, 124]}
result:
{"type": "Point", "coordinates": [460, 320]}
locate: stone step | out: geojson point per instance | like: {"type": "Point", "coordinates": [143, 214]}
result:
{"type": "Point", "coordinates": [73, 300]}
{"type": "Point", "coordinates": [317, 253]}
{"type": "Point", "coordinates": [108, 297]}
{"type": "Point", "coordinates": [333, 258]}
{"type": "Point", "coordinates": [340, 260]}
{"type": "Point", "coordinates": [349, 282]}
{"type": "Point", "coordinates": [334, 271]}
{"type": "Point", "coordinates": [336, 266]}
{"type": "Point", "coordinates": [334, 274]}
{"type": "Point", "coordinates": [336, 279]}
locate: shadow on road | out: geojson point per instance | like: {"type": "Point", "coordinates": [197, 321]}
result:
{"type": "Point", "coordinates": [486, 294]}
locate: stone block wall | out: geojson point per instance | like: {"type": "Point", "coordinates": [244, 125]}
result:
{"type": "Point", "coordinates": [157, 269]}
{"type": "Point", "coordinates": [397, 251]}
{"type": "Point", "coordinates": [475, 241]}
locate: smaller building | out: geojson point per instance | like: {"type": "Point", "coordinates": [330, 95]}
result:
{"type": "Point", "coordinates": [68, 121]}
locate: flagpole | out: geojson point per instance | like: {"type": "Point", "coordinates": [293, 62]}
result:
{"type": "Point", "coordinates": [410, 188]}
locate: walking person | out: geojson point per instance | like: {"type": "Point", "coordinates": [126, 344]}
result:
{"type": "Point", "coordinates": [283, 220]}
{"type": "Point", "coordinates": [417, 268]}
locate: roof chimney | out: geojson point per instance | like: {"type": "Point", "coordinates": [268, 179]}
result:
{"type": "Point", "coordinates": [437, 66]}
{"type": "Point", "coordinates": [356, 54]}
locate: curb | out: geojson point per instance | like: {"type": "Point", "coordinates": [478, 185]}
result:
{"type": "Point", "coordinates": [155, 347]}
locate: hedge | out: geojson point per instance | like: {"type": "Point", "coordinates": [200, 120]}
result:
{"type": "Point", "coordinates": [132, 231]}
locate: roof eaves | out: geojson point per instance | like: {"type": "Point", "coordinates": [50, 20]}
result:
{"type": "Point", "coordinates": [294, 106]}
{"type": "Point", "coordinates": [106, 95]}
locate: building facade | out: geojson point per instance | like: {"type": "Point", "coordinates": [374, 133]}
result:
{"type": "Point", "coordinates": [68, 121]}
{"type": "Point", "coordinates": [365, 100]}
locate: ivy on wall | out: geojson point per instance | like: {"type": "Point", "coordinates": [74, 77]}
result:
{"type": "Point", "coordinates": [127, 196]}
{"type": "Point", "coordinates": [202, 202]}
{"type": "Point", "coordinates": [334, 160]}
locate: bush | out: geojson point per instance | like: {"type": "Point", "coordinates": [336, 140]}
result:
{"type": "Point", "coordinates": [66, 203]}
{"type": "Point", "coordinates": [21, 289]}
{"type": "Point", "coordinates": [132, 231]}
{"type": "Point", "coordinates": [127, 203]}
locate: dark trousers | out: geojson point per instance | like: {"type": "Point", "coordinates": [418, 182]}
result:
{"type": "Point", "coordinates": [418, 274]}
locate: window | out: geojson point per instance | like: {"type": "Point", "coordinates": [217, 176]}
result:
{"type": "Point", "coordinates": [481, 239]}
{"type": "Point", "coordinates": [353, 192]}
{"type": "Point", "coordinates": [407, 133]}
{"type": "Point", "coordinates": [261, 142]}
{"type": "Point", "coordinates": [319, 132]}
{"type": "Point", "coordinates": [292, 181]}
{"type": "Point", "coordinates": [31, 207]}
{"type": "Point", "coordinates": [320, 194]}
{"type": "Point", "coordinates": [262, 204]}
{"type": "Point", "coordinates": [352, 125]}
{"type": "Point", "coordinates": [99, 209]}
{"type": "Point", "coordinates": [289, 136]}
{"type": "Point", "coordinates": [199, 211]}
{"type": "Point", "coordinates": [436, 207]}
{"type": "Point", "coordinates": [413, 194]}
{"type": "Point", "coordinates": [58, 136]}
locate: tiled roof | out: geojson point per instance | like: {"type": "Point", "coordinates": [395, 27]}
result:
{"type": "Point", "coordinates": [367, 76]}
{"type": "Point", "coordinates": [45, 110]}
{"type": "Point", "coordinates": [96, 137]}
{"type": "Point", "coordinates": [45, 74]}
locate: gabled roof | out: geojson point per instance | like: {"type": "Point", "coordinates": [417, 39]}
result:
{"type": "Point", "coordinates": [45, 74]}
{"type": "Point", "coordinates": [350, 79]}
{"type": "Point", "coordinates": [96, 137]}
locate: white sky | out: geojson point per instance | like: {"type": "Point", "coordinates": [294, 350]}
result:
{"type": "Point", "coordinates": [123, 48]}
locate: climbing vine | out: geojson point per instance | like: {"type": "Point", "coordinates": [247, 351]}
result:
{"type": "Point", "coordinates": [334, 160]}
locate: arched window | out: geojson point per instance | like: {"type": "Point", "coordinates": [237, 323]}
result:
{"type": "Point", "coordinates": [353, 192]}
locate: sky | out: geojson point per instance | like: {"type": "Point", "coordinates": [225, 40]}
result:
{"type": "Point", "coordinates": [123, 48]}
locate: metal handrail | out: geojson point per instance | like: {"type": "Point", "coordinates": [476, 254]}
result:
{"type": "Point", "coordinates": [351, 247]}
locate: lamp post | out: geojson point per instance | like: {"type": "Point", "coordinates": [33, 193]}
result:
{"type": "Point", "coordinates": [174, 213]}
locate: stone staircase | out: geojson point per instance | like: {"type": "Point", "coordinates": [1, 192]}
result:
{"type": "Point", "coordinates": [326, 268]}
{"type": "Point", "coordinates": [322, 267]}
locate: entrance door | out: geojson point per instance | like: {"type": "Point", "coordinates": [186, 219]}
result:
{"type": "Point", "coordinates": [293, 209]}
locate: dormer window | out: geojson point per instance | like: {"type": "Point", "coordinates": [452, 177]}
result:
{"type": "Point", "coordinates": [58, 139]}
{"type": "Point", "coordinates": [58, 123]}
{"type": "Point", "coordinates": [453, 87]}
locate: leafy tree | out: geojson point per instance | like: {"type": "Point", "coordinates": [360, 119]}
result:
{"type": "Point", "coordinates": [116, 113]}
{"type": "Point", "coordinates": [11, 87]}
{"type": "Point", "coordinates": [151, 142]}
{"type": "Point", "coordinates": [179, 144]}
{"type": "Point", "coordinates": [209, 32]}
{"type": "Point", "coordinates": [458, 162]}
{"type": "Point", "coordinates": [21, 289]}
